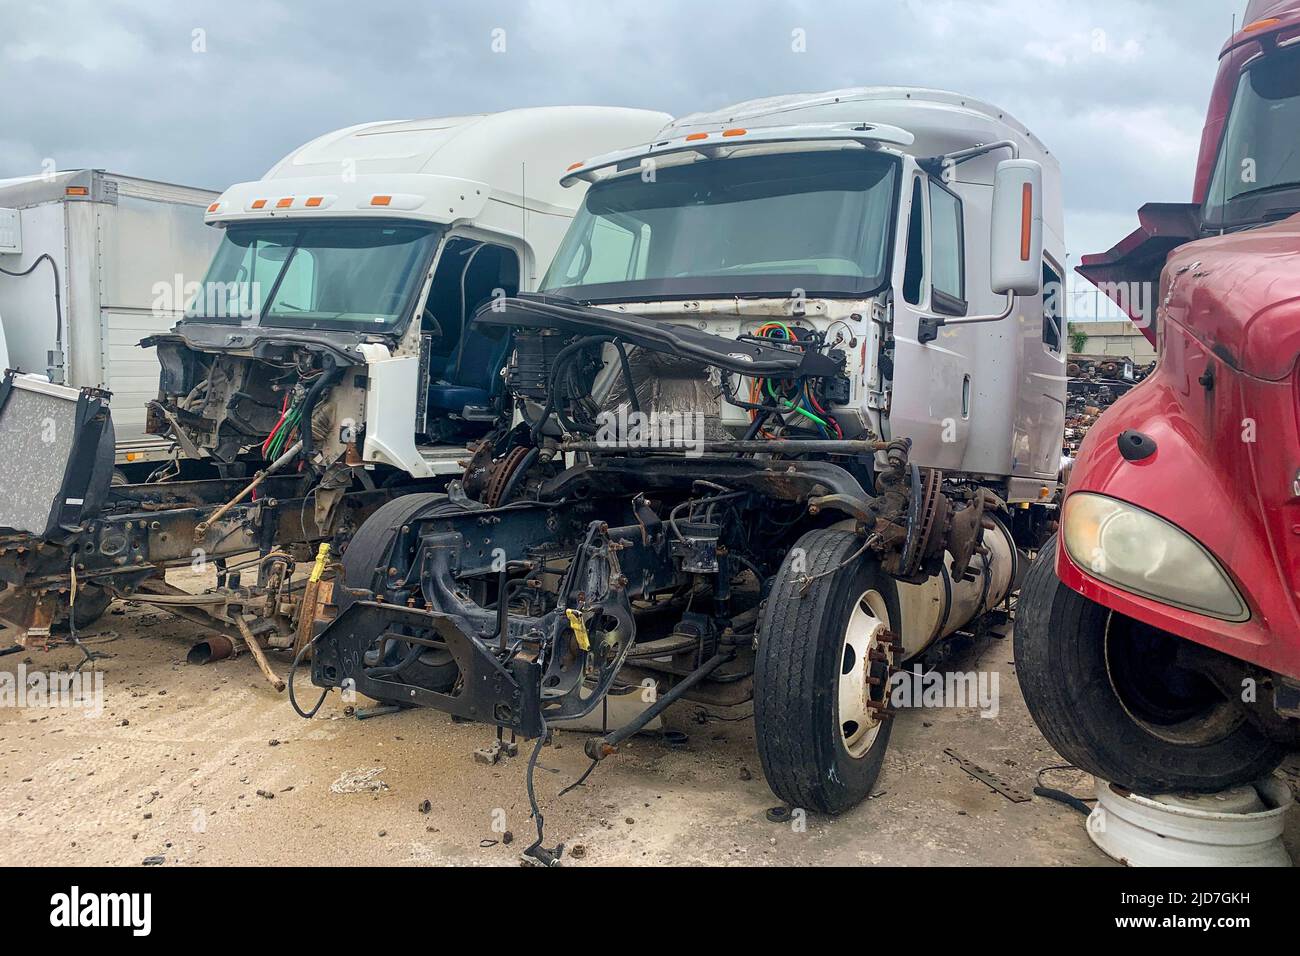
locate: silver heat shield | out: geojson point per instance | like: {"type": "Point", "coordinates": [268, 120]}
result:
{"type": "Point", "coordinates": [680, 400]}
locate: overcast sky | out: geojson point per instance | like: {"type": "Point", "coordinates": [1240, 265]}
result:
{"type": "Point", "coordinates": [211, 93]}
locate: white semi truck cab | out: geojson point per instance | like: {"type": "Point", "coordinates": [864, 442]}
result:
{"type": "Point", "coordinates": [357, 262]}
{"type": "Point", "coordinates": [891, 219]}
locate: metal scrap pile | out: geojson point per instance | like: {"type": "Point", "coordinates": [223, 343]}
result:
{"type": "Point", "coordinates": [1094, 385]}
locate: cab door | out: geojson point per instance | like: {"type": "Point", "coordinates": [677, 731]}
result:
{"type": "Point", "coordinates": [931, 395]}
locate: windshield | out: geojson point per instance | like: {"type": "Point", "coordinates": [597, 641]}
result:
{"type": "Point", "coordinates": [1258, 174]}
{"type": "Point", "coordinates": [353, 275]}
{"type": "Point", "coordinates": [759, 225]}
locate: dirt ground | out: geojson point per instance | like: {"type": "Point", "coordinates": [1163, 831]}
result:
{"type": "Point", "coordinates": [209, 765]}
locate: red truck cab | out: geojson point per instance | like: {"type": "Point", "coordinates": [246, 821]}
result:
{"type": "Point", "coordinates": [1158, 634]}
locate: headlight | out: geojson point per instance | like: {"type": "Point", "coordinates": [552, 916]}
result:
{"type": "Point", "coordinates": [1135, 550]}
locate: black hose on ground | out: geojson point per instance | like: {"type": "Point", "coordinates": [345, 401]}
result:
{"type": "Point", "coordinates": [1060, 796]}
{"type": "Point", "coordinates": [297, 659]}
{"type": "Point", "coordinates": [536, 851]}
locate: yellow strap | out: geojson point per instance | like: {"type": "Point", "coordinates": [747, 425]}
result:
{"type": "Point", "coordinates": [579, 628]}
{"type": "Point", "coordinates": [321, 555]}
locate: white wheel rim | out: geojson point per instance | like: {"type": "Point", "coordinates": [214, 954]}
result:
{"type": "Point", "coordinates": [859, 723]}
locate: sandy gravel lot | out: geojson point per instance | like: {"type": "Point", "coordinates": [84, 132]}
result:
{"type": "Point", "coordinates": [209, 765]}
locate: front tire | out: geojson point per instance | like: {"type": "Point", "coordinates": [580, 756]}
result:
{"type": "Point", "coordinates": [365, 564]}
{"type": "Point", "coordinates": [817, 689]}
{"type": "Point", "coordinates": [1106, 692]}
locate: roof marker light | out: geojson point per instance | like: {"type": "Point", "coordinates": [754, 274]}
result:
{"type": "Point", "coordinates": [692, 137]}
{"type": "Point", "coordinates": [380, 200]}
{"type": "Point", "coordinates": [572, 167]}
{"type": "Point", "coordinates": [214, 207]}
{"type": "Point", "coordinates": [284, 203]}
{"type": "Point", "coordinates": [314, 201]}
{"type": "Point", "coordinates": [734, 132]}
{"type": "Point", "coordinates": [257, 204]}
{"type": "Point", "coordinates": [1261, 24]}
{"type": "Point", "coordinates": [76, 191]}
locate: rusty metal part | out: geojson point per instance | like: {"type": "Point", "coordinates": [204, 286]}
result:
{"type": "Point", "coordinates": [988, 777]}
{"type": "Point", "coordinates": [499, 474]}
{"type": "Point", "coordinates": [216, 647]}
{"type": "Point", "coordinates": [259, 655]}
{"type": "Point", "coordinates": [201, 528]}
{"type": "Point", "coordinates": [30, 612]}
{"type": "Point", "coordinates": [477, 468]}
{"type": "Point", "coordinates": [319, 592]}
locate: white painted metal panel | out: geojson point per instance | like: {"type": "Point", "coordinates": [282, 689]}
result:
{"type": "Point", "coordinates": [133, 371]}
{"type": "Point", "coordinates": [11, 232]}
{"type": "Point", "coordinates": [27, 303]}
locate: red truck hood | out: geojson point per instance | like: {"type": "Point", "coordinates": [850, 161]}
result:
{"type": "Point", "coordinates": [1239, 294]}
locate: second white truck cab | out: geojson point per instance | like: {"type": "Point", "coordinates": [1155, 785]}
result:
{"type": "Point", "coordinates": [371, 247]}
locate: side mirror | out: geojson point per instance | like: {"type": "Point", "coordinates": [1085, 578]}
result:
{"type": "Point", "coordinates": [1016, 243]}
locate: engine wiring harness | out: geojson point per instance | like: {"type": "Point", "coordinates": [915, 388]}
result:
{"type": "Point", "coordinates": [781, 408]}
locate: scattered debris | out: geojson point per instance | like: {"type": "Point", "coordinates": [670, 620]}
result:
{"type": "Point", "coordinates": [425, 806]}
{"type": "Point", "coordinates": [495, 751]}
{"type": "Point", "coordinates": [154, 860]}
{"type": "Point", "coordinates": [360, 780]}
{"type": "Point", "coordinates": [988, 777]}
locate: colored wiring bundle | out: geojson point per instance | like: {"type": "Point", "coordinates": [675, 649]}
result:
{"type": "Point", "coordinates": [281, 436]}
{"type": "Point", "coordinates": [793, 401]}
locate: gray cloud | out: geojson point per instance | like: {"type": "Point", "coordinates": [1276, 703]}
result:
{"type": "Point", "coordinates": [1117, 88]}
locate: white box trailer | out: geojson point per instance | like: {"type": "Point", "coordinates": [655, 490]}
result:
{"type": "Point", "coordinates": [123, 249]}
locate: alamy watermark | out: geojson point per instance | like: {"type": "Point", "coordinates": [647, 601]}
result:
{"type": "Point", "coordinates": [627, 428]}
{"type": "Point", "coordinates": [213, 300]}
{"type": "Point", "coordinates": [77, 690]}
{"type": "Point", "coordinates": [934, 689]}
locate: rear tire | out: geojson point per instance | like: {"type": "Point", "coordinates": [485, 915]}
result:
{"type": "Point", "coordinates": [820, 746]}
{"type": "Point", "coordinates": [1105, 693]}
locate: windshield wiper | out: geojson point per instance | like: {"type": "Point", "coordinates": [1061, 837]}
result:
{"type": "Point", "coordinates": [1264, 190]}
{"type": "Point", "coordinates": [1282, 212]}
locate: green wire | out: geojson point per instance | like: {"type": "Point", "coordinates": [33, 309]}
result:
{"type": "Point", "coordinates": [804, 412]}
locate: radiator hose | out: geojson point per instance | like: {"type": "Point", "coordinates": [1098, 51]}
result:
{"type": "Point", "coordinates": [329, 375]}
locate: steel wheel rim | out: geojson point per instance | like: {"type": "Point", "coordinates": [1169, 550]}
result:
{"type": "Point", "coordinates": [857, 723]}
